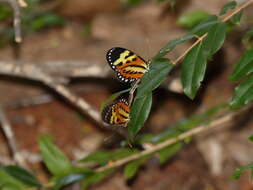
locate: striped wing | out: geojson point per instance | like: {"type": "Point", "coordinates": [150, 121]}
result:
{"type": "Point", "coordinates": [116, 113]}
{"type": "Point", "coordinates": [128, 66]}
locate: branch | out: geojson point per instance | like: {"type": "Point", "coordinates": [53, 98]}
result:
{"type": "Point", "coordinates": [34, 73]}
{"type": "Point", "coordinates": [11, 140]}
{"type": "Point", "coordinates": [155, 148]}
{"type": "Point", "coordinates": [224, 19]}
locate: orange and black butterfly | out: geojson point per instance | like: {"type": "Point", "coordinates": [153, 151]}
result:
{"type": "Point", "coordinates": [128, 66]}
{"type": "Point", "coordinates": [117, 113]}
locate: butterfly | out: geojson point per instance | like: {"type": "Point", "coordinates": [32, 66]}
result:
{"type": "Point", "coordinates": [116, 113]}
{"type": "Point", "coordinates": [128, 66]}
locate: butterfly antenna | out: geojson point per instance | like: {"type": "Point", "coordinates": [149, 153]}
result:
{"type": "Point", "coordinates": [148, 47]}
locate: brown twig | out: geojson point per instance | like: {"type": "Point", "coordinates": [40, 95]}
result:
{"type": "Point", "coordinates": [34, 73]}
{"type": "Point", "coordinates": [11, 140]}
{"type": "Point", "coordinates": [131, 93]}
{"type": "Point", "coordinates": [15, 4]}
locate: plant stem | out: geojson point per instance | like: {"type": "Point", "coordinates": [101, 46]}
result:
{"type": "Point", "coordinates": [197, 130]}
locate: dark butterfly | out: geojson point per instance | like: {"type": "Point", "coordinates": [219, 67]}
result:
{"type": "Point", "coordinates": [128, 66]}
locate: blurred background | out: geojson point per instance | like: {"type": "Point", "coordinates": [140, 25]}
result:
{"type": "Point", "coordinates": [69, 39]}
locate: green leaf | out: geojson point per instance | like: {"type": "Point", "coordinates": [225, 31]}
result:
{"type": "Point", "coordinates": [104, 157]}
{"type": "Point", "coordinates": [139, 113]}
{"type": "Point", "coordinates": [172, 44]}
{"type": "Point", "coordinates": [247, 39]}
{"type": "Point", "coordinates": [215, 39]}
{"type": "Point", "coordinates": [243, 93]}
{"type": "Point", "coordinates": [112, 98]}
{"type": "Point", "coordinates": [98, 156]}
{"type": "Point", "coordinates": [251, 138]}
{"type": "Point", "coordinates": [68, 180]}
{"type": "Point", "coordinates": [191, 19]}
{"type": "Point", "coordinates": [5, 12]}
{"type": "Point", "coordinates": [159, 69]}
{"type": "Point", "coordinates": [131, 168]}
{"type": "Point", "coordinates": [96, 177]}
{"type": "Point", "coordinates": [168, 152]}
{"type": "Point", "coordinates": [46, 20]}
{"type": "Point", "coordinates": [194, 64]}
{"type": "Point", "coordinates": [22, 175]}
{"type": "Point", "coordinates": [10, 183]}
{"type": "Point", "coordinates": [243, 67]}
{"type": "Point", "coordinates": [238, 171]}
{"type": "Point", "coordinates": [193, 70]}
{"type": "Point", "coordinates": [57, 163]}
{"type": "Point", "coordinates": [204, 26]}
{"type": "Point", "coordinates": [227, 6]}
{"type": "Point", "coordinates": [236, 19]}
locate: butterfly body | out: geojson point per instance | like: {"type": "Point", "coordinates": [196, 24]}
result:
{"type": "Point", "coordinates": [128, 65]}
{"type": "Point", "coordinates": [116, 113]}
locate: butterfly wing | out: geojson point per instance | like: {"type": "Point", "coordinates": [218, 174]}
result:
{"type": "Point", "coordinates": [116, 113]}
{"type": "Point", "coordinates": [128, 65]}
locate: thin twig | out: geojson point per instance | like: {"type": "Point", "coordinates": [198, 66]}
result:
{"type": "Point", "coordinates": [189, 49]}
{"type": "Point", "coordinates": [15, 4]}
{"type": "Point", "coordinates": [32, 72]}
{"type": "Point", "coordinates": [237, 10]}
{"type": "Point", "coordinates": [131, 93]}
{"type": "Point", "coordinates": [197, 130]}
{"type": "Point", "coordinates": [11, 140]}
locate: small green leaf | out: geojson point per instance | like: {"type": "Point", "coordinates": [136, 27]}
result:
{"type": "Point", "coordinates": [139, 113]}
{"type": "Point", "coordinates": [98, 156]}
{"type": "Point", "coordinates": [68, 180]}
{"type": "Point", "coordinates": [96, 177]}
{"type": "Point", "coordinates": [10, 183]}
{"type": "Point", "coordinates": [122, 153]}
{"type": "Point", "coordinates": [159, 69]}
{"type": "Point", "coordinates": [112, 98]}
{"type": "Point", "coordinates": [193, 70]}
{"type": "Point", "coordinates": [5, 12]}
{"type": "Point", "coordinates": [172, 44]}
{"type": "Point", "coordinates": [236, 19]}
{"type": "Point", "coordinates": [243, 67]}
{"type": "Point", "coordinates": [46, 20]}
{"type": "Point", "coordinates": [57, 163]}
{"type": "Point", "coordinates": [227, 6]}
{"type": "Point", "coordinates": [191, 19]}
{"type": "Point", "coordinates": [251, 138]}
{"type": "Point", "coordinates": [247, 39]}
{"type": "Point", "coordinates": [131, 168]}
{"type": "Point", "coordinates": [168, 152]}
{"type": "Point", "coordinates": [238, 171]}
{"type": "Point", "coordinates": [104, 157]}
{"type": "Point", "coordinates": [215, 39]}
{"type": "Point", "coordinates": [22, 175]}
{"type": "Point", "coordinates": [243, 93]}
{"type": "Point", "coordinates": [204, 26]}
